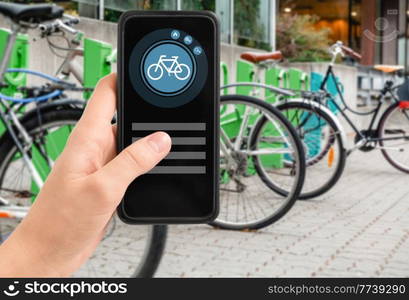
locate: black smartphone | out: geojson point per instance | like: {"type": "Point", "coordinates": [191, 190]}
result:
{"type": "Point", "coordinates": [168, 80]}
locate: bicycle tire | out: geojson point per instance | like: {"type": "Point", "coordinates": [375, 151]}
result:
{"type": "Point", "coordinates": [288, 104]}
{"type": "Point", "coordinates": [282, 211]}
{"type": "Point", "coordinates": [381, 132]}
{"type": "Point", "coordinates": [157, 235]}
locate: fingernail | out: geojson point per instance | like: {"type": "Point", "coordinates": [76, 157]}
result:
{"type": "Point", "coordinates": [159, 141]}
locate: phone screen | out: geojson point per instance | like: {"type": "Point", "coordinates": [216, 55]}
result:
{"type": "Point", "coordinates": [168, 81]}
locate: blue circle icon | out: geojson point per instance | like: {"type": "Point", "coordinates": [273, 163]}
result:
{"type": "Point", "coordinates": [168, 68]}
{"type": "Point", "coordinates": [166, 72]}
{"type": "Point", "coordinates": [197, 50]}
{"type": "Point", "coordinates": [175, 34]}
{"type": "Point", "coordinates": [188, 40]}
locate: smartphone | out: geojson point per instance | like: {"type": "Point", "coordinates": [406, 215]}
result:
{"type": "Point", "coordinates": [168, 80]}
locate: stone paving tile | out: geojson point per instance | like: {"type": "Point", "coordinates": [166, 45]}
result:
{"type": "Point", "coordinates": [359, 228]}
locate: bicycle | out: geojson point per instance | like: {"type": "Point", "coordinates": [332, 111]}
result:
{"type": "Point", "coordinates": [323, 135]}
{"type": "Point", "coordinates": [389, 134]}
{"type": "Point", "coordinates": [393, 123]}
{"type": "Point", "coordinates": [175, 68]}
{"type": "Point", "coordinates": [35, 138]}
{"type": "Point", "coordinates": [250, 168]}
{"type": "Point", "coordinates": [297, 105]}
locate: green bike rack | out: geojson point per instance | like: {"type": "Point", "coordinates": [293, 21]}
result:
{"type": "Point", "coordinates": [54, 144]}
{"type": "Point", "coordinates": [224, 72]}
{"type": "Point", "coordinates": [244, 73]}
{"type": "Point", "coordinates": [96, 62]}
{"type": "Point", "coordinates": [293, 79]}
{"type": "Point", "coordinates": [19, 59]}
{"type": "Point", "coordinates": [232, 120]}
{"type": "Point", "coordinates": [276, 77]}
{"type": "Point", "coordinates": [298, 80]}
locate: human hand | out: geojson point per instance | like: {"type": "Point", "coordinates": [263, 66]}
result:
{"type": "Point", "coordinates": [87, 182]}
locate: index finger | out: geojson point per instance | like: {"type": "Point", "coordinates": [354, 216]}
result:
{"type": "Point", "coordinates": [101, 107]}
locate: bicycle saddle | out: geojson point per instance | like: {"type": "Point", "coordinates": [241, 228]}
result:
{"type": "Point", "coordinates": [388, 68]}
{"type": "Point", "coordinates": [31, 13]}
{"type": "Point", "coordinates": [256, 57]}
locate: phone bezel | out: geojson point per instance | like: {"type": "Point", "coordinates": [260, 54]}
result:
{"type": "Point", "coordinates": [120, 97]}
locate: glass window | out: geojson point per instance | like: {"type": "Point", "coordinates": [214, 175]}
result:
{"type": "Point", "coordinates": [114, 8]}
{"type": "Point", "coordinates": [355, 28]}
{"type": "Point", "coordinates": [198, 5]}
{"type": "Point", "coordinates": [333, 15]}
{"type": "Point", "coordinates": [223, 10]}
{"type": "Point", "coordinates": [251, 18]}
{"type": "Point", "coordinates": [403, 41]}
{"type": "Point", "coordinates": [124, 5]}
{"type": "Point", "coordinates": [220, 7]}
{"type": "Point", "coordinates": [88, 8]}
{"type": "Point", "coordinates": [252, 23]}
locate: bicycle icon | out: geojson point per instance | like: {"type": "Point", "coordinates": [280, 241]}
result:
{"type": "Point", "coordinates": [171, 65]}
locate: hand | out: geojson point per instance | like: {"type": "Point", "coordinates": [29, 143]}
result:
{"type": "Point", "coordinates": [88, 181]}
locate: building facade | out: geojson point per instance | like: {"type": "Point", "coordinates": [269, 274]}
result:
{"type": "Point", "coordinates": [248, 23]}
{"type": "Point", "coordinates": [377, 28]}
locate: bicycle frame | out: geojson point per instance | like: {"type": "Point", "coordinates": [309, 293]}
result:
{"type": "Point", "coordinates": [375, 112]}
{"type": "Point", "coordinates": [173, 60]}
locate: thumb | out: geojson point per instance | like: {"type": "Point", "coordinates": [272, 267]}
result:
{"type": "Point", "coordinates": [136, 159]}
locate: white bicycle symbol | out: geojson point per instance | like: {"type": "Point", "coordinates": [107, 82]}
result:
{"type": "Point", "coordinates": [155, 71]}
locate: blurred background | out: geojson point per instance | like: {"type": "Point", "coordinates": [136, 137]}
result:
{"type": "Point", "coordinates": [359, 228]}
{"type": "Point", "coordinates": [267, 24]}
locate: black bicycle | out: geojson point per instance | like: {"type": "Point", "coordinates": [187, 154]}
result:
{"type": "Point", "coordinates": [325, 139]}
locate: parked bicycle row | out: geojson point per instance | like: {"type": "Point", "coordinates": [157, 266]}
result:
{"type": "Point", "coordinates": [286, 146]}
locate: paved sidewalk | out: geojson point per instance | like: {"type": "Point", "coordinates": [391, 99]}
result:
{"type": "Point", "coordinates": [359, 228]}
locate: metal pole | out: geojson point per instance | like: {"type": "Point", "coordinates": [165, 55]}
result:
{"type": "Point", "coordinates": [178, 4]}
{"type": "Point", "coordinates": [231, 40]}
{"type": "Point", "coordinates": [273, 21]}
{"type": "Point", "coordinates": [406, 34]}
{"type": "Point", "coordinates": [350, 24]}
{"type": "Point", "coordinates": [101, 9]}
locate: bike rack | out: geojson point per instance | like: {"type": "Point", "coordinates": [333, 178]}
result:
{"type": "Point", "coordinates": [291, 79]}
{"type": "Point", "coordinates": [97, 62]}
{"type": "Point", "coordinates": [19, 59]}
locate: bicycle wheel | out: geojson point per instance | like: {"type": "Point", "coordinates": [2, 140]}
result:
{"type": "Point", "coordinates": [183, 72]}
{"type": "Point", "coordinates": [246, 201]}
{"type": "Point", "coordinates": [323, 147]}
{"type": "Point", "coordinates": [393, 131]}
{"type": "Point", "coordinates": [125, 250]}
{"type": "Point", "coordinates": [155, 72]}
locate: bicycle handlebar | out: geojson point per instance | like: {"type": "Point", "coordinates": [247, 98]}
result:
{"type": "Point", "coordinates": [351, 53]}
{"type": "Point", "coordinates": [340, 49]}
{"type": "Point", "coordinates": [59, 24]}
